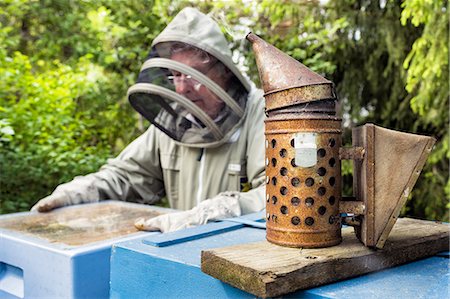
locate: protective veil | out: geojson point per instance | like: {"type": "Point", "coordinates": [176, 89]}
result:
{"type": "Point", "coordinates": [182, 115]}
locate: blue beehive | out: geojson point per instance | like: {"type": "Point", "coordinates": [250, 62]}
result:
{"type": "Point", "coordinates": [64, 253]}
{"type": "Point", "coordinates": [168, 266]}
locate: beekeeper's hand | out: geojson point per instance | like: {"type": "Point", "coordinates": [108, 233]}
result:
{"type": "Point", "coordinates": [53, 201]}
{"type": "Point", "coordinates": [224, 205]}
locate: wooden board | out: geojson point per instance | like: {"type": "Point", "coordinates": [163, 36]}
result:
{"type": "Point", "coordinates": [268, 270]}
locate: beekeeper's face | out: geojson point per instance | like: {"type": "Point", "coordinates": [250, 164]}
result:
{"type": "Point", "coordinates": [192, 89]}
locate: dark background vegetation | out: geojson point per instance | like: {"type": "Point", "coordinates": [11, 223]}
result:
{"type": "Point", "coordinates": [65, 67]}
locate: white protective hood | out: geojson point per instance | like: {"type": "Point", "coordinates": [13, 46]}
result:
{"type": "Point", "coordinates": [154, 95]}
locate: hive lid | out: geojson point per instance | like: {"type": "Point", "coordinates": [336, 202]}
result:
{"type": "Point", "coordinates": [82, 224]}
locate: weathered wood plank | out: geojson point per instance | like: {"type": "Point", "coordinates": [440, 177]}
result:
{"type": "Point", "coordinates": [268, 270]}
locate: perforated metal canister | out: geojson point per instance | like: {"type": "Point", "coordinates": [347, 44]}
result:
{"type": "Point", "coordinates": [302, 203]}
{"type": "Point", "coordinates": [303, 137]}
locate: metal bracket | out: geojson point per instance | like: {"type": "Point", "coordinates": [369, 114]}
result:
{"type": "Point", "coordinates": [351, 153]}
{"type": "Point", "coordinates": [352, 207]}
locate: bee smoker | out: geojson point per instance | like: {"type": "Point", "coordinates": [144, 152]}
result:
{"type": "Point", "coordinates": [303, 144]}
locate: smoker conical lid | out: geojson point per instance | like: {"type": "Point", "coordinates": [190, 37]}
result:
{"type": "Point", "coordinates": [278, 71]}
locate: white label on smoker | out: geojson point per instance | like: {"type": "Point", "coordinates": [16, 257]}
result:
{"type": "Point", "coordinates": [305, 149]}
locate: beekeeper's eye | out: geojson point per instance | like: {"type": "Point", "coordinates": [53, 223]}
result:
{"type": "Point", "coordinates": [178, 78]}
{"type": "Point", "coordinates": [176, 74]}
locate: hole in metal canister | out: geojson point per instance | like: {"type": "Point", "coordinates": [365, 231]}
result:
{"type": "Point", "coordinates": [268, 216]}
{"type": "Point", "coordinates": [295, 220]}
{"type": "Point", "coordinates": [293, 163]}
{"type": "Point", "coordinates": [283, 171]}
{"type": "Point", "coordinates": [321, 171]}
{"type": "Point", "coordinates": [295, 182]}
{"type": "Point", "coordinates": [331, 220]}
{"type": "Point", "coordinates": [274, 181]}
{"type": "Point", "coordinates": [274, 218]}
{"type": "Point", "coordinates": [332, 162]}
{"type": "Point", "coordinates": [331, 142]}
{"type": "Point", "coordinates": [309, 182]}
{"type": "Point", "coordinates": [283, 153]}
{"type": "Point", "coordinates": [292, 143]}
{"type": "Point", "coordinates": [321, 191]}
{"type": "Point", "coordinates": [321, 152]}
{"type": "Point", "coordinates": [322, 210]}
{"type": "Point", "coordinates": [295, 201]}
{"type": "Point", "coordinates": [332, 200]}
{"type": "Point", "coordinates": [267, 179]}
{"type": "Point", "coordinates": [267, 197]}
{"type": "Point", "coordinates": [309, 201]}
{"type": "Point", "coordinates": [274, 162]}
{"type": "Point", "coordinates": [332, 181]}
{"type": "Point", "coordinates": [284, 210]}
{"type": "Point", "coordinates": [274, 143]}
{"type": "Point", "coordinates": [274, 199]}
{"type": "Point", "coordinates": [283, 190]}
{"type": "Point", "coordinates": [309, 221]}
{"type": "Point", "coordinates": [267, 143]}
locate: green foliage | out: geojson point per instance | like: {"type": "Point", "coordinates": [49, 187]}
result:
{"type": "Point", "coordinates": [45, 140]}
{"type": "Point", "coordinates": [65, 67]}
{"type": "Point", "coordinates": [427, 82]}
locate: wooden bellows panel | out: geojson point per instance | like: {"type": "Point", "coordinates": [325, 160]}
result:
{"type": "Point", "coordinates": [385, 177]}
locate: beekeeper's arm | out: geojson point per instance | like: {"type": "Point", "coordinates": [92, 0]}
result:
{"type": "Point", "coordinates": [231, 203]}
{"type": "Point", "coordinates": [134, 175]}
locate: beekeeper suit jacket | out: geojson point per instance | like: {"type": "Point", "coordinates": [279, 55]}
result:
{"type": "Point", "coordinates": [154, 165]}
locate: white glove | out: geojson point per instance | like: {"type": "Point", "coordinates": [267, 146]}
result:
{"type": "Point", "coordinates": [224, 205]}
{"type": "Point", "coordinates": [79, 190]}
{"type": "Point", "coordinates": [53, 201]}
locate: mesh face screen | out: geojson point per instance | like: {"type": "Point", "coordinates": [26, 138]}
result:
{"type": "Point", "coordinates": [189, 95]}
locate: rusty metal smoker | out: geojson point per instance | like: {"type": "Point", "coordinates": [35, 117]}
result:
{"type": "Point", "coordinates": [303, 137]}
{"type": "Point", "coordinates": [303, 153]}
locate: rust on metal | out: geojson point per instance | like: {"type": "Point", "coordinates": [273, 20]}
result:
{"type": "Point", "coordinates": [352, 207]}
{"type": "Point", "coordinates": [384, 191]}
{"type": "Point", "coordinates": [363, 175]}
{"type": "Point", "coordinates": [351, 153]}
{"type": "Point", "coordinates": [303, 140]}
{"type": "Point", "coordinates": [323, 107]}
{"type": "Point", "coordinates": [352, 221]}
{"type": "Point", "coordinates": [279, 71]}
{"type": "Point", "coordinates": [303, 137]}
{"type": "Point", "coordinates": [298, 95]}
{"type": "Point", "coordinates": [302, 204]}
{"type": "Point", "coordinates": [291, 123]}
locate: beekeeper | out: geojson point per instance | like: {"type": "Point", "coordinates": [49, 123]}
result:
{"type": "Point", "coordinates": [205, 148]}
